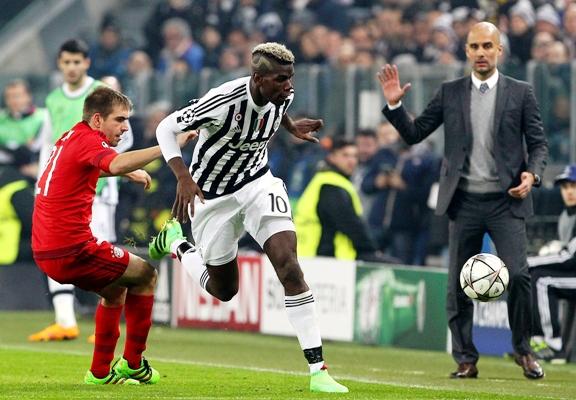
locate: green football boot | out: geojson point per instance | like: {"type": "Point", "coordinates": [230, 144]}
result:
{"type": "Point", "coordinates": [113, 378]}
{"type": "Point", "coordinates": [159, 246]}
{"type": "Point", "coordinates": [321, 381]}
{"type": "Point", "coordinates": [145, 374]}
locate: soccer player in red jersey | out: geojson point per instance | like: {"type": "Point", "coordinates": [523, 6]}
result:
{"type": "Point", "coordinates": [65, 249]}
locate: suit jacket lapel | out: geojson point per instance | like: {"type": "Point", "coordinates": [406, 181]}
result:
{"type": "Point", "coordinates": [465, 102]}
{"type": "Point", "coordinates": [501, 99]}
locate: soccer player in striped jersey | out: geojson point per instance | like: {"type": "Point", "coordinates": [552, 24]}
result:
{"type": "Point", "coordinates": [229, 189]}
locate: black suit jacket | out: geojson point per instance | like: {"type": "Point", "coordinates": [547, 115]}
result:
{"type": "Point", "coordinates": [520, 144]}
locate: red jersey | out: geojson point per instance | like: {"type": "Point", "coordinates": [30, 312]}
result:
{"type": "Point", "coordinates": [66, 189]}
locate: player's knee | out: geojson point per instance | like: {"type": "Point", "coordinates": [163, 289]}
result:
{"type": "Point", "coordinates": [149, 276]}
{"type": "Point", "coordinates": [226, 293]}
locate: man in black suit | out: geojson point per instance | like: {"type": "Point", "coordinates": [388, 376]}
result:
{"type": "Point", "coordinates": [495, 151]}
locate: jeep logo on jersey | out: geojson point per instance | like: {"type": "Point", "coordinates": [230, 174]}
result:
{"type": "Point", "coordinates": [248, 146]}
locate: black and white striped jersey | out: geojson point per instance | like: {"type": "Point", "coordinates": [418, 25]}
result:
{"type": "Point", "coordinates": [233, 138]}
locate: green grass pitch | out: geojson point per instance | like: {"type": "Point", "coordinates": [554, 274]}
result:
{"type": "Point", "coordinates": [199, 364]}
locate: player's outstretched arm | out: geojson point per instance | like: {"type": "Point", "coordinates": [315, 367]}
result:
{"type": "Point", "coordinates": [303, 128]}
{"type": "Point", "coordinates": [133, 160]}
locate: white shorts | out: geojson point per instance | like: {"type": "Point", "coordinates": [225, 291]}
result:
{"type": "Point", "coordinates": [261, 208]}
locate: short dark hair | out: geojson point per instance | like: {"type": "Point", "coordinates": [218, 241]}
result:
{"type": "Point", "coordinates": [74, 46]}
{"type": "Point", "coordinates": [339, 143]}
{"type": "Point", "coordinates": [368, 132]}
{"type": "Point", "coordinates": [103, 100]}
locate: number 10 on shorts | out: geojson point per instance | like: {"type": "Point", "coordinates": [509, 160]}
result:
{"type": "Point", "coordinates": [277, 203]}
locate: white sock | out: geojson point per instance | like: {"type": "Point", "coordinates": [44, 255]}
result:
{"type": "Point", "coordinates": [302, 315]}
{"type": "Point", "coordinates": [174, 245]}
{"type": "Point", "coordinates": [194, 266]}
{"type": "Point", "coordinates": [316, 366]}
{"type": "Point", "coordinates": [63, 302]}
{"type": "Point", "coordinates": [554, 343]}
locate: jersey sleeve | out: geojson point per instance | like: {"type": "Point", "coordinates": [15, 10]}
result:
{"type": "Point", "coordinates": [206, 112]}
{"type": "Point", "coordinates": [98, 153]}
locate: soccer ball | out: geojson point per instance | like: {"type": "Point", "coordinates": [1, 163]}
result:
{"type": "Point", "coordinates": [484, 277]}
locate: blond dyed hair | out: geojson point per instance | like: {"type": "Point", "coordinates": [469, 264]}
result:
{"type": "Point", "coordinates": [266, 54]}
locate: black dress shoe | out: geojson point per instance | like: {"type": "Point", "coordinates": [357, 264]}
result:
{"type": "Point", "coordinates": [531, 367]}
{"type": "Point", "coordinates": [465, 370]}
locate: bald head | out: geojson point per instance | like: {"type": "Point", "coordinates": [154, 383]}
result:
{"type": "Point", "coordinates": [483, 48]}
{"type": "Point", "coordinates": [485, 28]}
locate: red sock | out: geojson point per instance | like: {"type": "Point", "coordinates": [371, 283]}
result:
{"type": "Point", "coordinates": [138, 313]}
{"type": "Point", "coordinates": [107, 333]}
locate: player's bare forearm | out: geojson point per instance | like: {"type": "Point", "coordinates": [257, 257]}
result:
{"type": "Point", "coordinates": [288, 123]}
{"type": "Point", "coordinates": [133, 160]}
{"type": "Point", "coordinates": [186, 190]}
{"type": "Point", "coordinates": [178, 167]}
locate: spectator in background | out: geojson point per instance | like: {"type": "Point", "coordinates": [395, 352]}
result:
{"type": "Point", "coordinates": [271, 26]}
{"type": "Point", "coordinates": [521, 32]}
{"type": "Point", "coordinates": [557, 53]}
{"type": "Point", "coordinates": [407, 215]}
{"type": "Point", "coordinates": [230, 66]}
{"type": "Point", "coordinates": [192, 12]}
{"type": "Point", "coordinates": [21, 121]}
{"type": "Point", "coordinates": [542, 40]}
{"type": "Point", "coordinates": [548, 20]}
{"type": "Point", "coordinates": [212, 43]}
{"type": "Point", "coordinates": [326, 230]}
{"type": "Point", "coordinates": [238, 40]}
{"type": "Point", "coordinates": [16, 204]}
{"type": "Point", "coordinates": [179, 45]}
{"type": "Point", "coordinates": [442, 48]}
{"type": "Point", "coordinates": [557, 91]}
{"type": "Point", "coordinates": [109, 55]}
{"type": "Point", "coordinates": [460, 27]}
{"type": "Point", "coordinates": [139, 82]}
{"type": "Point", "coordinates": [367, 146]}
{"type": "Point", "coordinates": [309, 50]}
{"type": "Point", "coordinates": [330, 13]}
{"type": "Point", "coordinates": [569, 23]}
{"type": "Point", "coordinates": [553, 275]}
{"type": "Point", "coordinates": [379, 179]}
{"type": "Point", "coordinates": [411, 36]}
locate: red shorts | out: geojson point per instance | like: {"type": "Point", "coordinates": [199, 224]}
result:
{"type": "Point", "coordinates": [94, 267]}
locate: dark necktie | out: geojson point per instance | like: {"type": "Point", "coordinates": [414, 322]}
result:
{"type": "Point", "coordinates": [484, 87]}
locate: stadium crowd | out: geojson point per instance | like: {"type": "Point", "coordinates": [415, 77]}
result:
{"type": "Point", "coordinates": [183, 39]}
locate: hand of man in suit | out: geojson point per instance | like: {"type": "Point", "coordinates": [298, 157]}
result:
{"type": "Point", "coordinates": [390, 83]}
{"type": "Point", "coordinates": [521, 191]}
